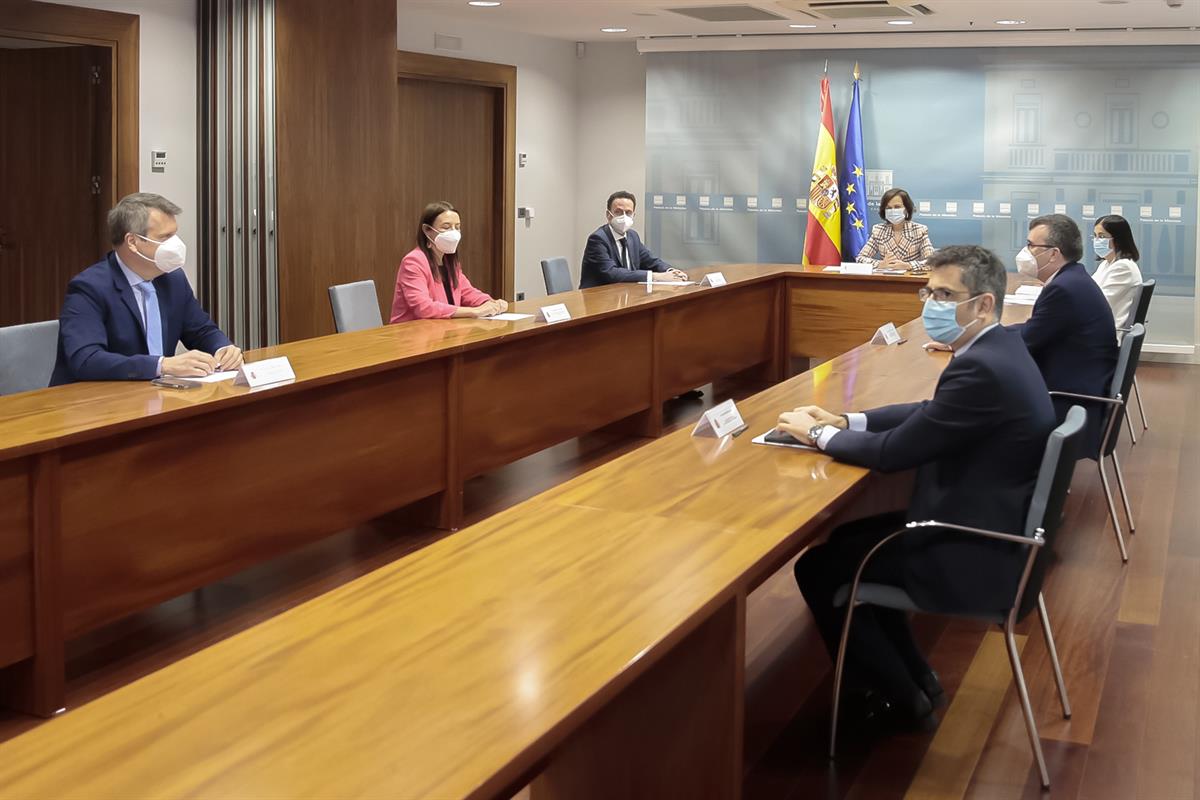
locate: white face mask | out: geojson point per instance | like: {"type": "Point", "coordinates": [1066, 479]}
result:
{"type": "Point", "coordinates": [622, 223]}
{"type": "Point", "coordinates": [1027, 264]}
{"type": "Point", "coordinates": [894, 215]}
{"type": "Point", "coordinates": [447, 241]}
{"type": "Point", "coordinates": [171, 253]}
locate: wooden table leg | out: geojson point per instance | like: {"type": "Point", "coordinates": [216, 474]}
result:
{"type": "Point", "coordinates": [676, 731]}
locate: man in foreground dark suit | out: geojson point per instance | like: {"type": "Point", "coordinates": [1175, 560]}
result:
{"type": "Point", "coordinates": [976, 446]}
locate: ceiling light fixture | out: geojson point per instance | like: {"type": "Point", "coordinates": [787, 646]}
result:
{"type": "Point", "coordinates": [900, 22]}
{"type": "Point", "coordinates": [614, 30]}
{"type": "Point", "coordinates": [483, 3]}
{"type": "Point", "coordinates": [801, 25]}
{"type": "Point", "coordinates": [1010, 22]}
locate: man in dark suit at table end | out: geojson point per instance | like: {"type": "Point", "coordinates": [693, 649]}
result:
{"type": "Point", "coordinates": [615, 253]}
{"type": "Point", "coordinates": [124, 317]}
{"type": "Point", "coordinates": [1070, 333]}
{"type": "Point", "coordinates": [976, 447]}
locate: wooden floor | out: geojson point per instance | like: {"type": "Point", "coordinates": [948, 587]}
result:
{"type": "Point", "coordinates": [1129, 638]}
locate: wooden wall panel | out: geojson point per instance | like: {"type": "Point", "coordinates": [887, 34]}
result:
{"type": "Point", "coordinates": [695, 351]}
{"type": "Point", "coordinates": [16, 563]}
{"type": "Point", "coordinates": [337, 175]}
{"type": "Point", "coordinates": [381, 436]}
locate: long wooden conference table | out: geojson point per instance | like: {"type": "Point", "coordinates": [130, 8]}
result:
{"type": "Point", "coordinates": [115, 497]}
{"type": "Point", "coordinates": [590, 639]}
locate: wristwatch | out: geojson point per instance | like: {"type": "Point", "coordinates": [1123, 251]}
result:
{"type": "Point", "coordinates": [815, 432]}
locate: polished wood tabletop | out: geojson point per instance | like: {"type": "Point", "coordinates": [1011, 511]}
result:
{"type": "Point", "coordinates": [36, 421]}
{"type": "Point", "coordinates": [464, 668]}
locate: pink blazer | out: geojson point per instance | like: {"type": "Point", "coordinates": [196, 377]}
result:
{"type": "Point", "coordinates": [421, 296]}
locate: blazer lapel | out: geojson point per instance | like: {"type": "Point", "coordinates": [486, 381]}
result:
{"type": "Point", "coordinates": [125, 292]}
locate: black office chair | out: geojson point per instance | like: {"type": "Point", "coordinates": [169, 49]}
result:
{"type": "Point", "coordinates": [1041, 525]}
{"type": "Point", "coordinates": [1140, 311]}
{"type": "Point", "coordinates": [1115, 401]}
{"type": "Point", "coordinates": [557, 275]}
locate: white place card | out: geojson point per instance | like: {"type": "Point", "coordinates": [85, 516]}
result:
{"type": "Point", "coordinates": [1006, 208]}
{"type": "Point", "coordinates": [1060, 208]}
{"type": "Point", "coordinates": [265, 372]}
{"type": "Point", "coordinates": [713, 279]}
{"type": "Point", "coordinates": [1146, 212]}
{"type": "Point", "coordinates": [977, 208]}
{"type": "Point", "coordinates": [887, 334]}
{"type": "Point", "coordinates": [1089, 211]}
{"type": "Point", "coordinates": [555, 313]}
{"type": "Point", "coordinates": [1033, 209]}
{"type": "Point", "coordinates": [854, 268]}
{"type": "Point", "coordinates": [720, 420]}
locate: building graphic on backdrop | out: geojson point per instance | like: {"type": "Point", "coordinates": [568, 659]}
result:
{"type": "Point", "coordinates": [1094, 141]}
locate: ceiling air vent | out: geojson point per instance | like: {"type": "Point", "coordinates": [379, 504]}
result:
{"type": "Point", "coordinates": [858, 9]}
{"type": "Point", "coordinates": [741, 13]}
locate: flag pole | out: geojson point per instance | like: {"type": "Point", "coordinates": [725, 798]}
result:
{"type": "Point", "coordinates": [857, 76]}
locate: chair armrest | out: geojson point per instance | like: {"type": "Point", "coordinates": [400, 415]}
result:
{"type": "Point", "coordinates": [1089, 397]}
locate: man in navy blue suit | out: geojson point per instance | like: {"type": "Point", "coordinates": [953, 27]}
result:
{"type": "Point", "coordinates": [976, 446]}
{"type": "Point", "coordinates": [615, 253]}
{"type": "Point", "coordinates": [124, 317]}
{"type": "Point", "coordinates": [1071, 331]}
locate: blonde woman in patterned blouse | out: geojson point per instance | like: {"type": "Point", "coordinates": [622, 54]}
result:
{"type": "Point", "coordinates": [897, 242]}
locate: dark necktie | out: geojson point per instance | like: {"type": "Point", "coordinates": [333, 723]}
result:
{"type": "Point", "coordinates": [625, 252]}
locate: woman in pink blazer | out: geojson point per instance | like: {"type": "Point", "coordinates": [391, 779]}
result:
{"type": "Point", "coordinates": [430, 283]}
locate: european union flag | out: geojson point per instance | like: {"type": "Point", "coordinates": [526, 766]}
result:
{"type": "Point", "coordinates": [855, 227]}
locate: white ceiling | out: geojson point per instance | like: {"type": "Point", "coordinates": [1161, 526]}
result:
{"type": "Point", "coordinates": [581, 20]}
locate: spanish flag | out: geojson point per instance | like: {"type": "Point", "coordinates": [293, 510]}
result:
{"type": "Point", "coordinates": [823, 238]}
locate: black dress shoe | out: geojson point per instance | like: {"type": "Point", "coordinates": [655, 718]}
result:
{"type": "Point", "coordinates": [915, 713]}
{"type": "Point", "coordinates": [932, 688]}
{"type": "Point", "coordinates": [866, 711]}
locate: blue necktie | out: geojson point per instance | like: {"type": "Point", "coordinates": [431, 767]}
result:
{"type": "Point", "coordinates": [152, 320]}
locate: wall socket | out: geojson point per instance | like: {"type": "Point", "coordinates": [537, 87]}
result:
{"type": "Point", "coordinates": [520, 295]}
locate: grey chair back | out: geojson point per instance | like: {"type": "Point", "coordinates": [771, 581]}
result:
{"type": "Point", "coordinates": [27, 355]}
{"type": "Point", "coordinates": [355, 306]}
{"type": "Point", "coordinates": [1142, 308]}
{"type": "Point", "coordinates": [1050, 494]}
{"type": "Point", "coordinates": [557, 274]}
{"type": "Point", "coordinates": [1122, 382]}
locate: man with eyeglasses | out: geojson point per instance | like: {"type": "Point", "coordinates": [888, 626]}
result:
{"type": "Point", "coordinates": [1070, 332]}
{"type": "Point", "coordinates": [615, 253]}
{"type": "Point", "coordinates": [976, 447]}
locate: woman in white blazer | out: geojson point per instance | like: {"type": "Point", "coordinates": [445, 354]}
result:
{"type": "Point", "coordinates": [1118, 275]}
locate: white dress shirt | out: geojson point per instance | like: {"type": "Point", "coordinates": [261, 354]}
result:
{"type": "Point", "coordinates": [1120, 281]}
{"type": "Point", "coordinates": [134, 280]}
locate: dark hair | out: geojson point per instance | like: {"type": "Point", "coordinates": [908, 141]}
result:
{"type": "Point", "coordinates": [1064, 235]}
{"type": "Point", "coordinates": [132, 215]}
{"type": "Point", "coordinates": [620, 196]}
{"type": "Point", "coordinates": [982, 272]}
{"type": "Point", "coordinates": [1122, 235]}
{"type": "Point", "coordinates": [889, 196]}
{"type": "Point", "coordinates": [449, 260]}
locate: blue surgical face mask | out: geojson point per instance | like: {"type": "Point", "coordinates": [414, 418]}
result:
{"type": "Point", "coordinates": [1102, 246]}
{"type": "Point", "coordinates": [941, 320]}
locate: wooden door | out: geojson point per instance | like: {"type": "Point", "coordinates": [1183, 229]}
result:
{"type": "Point", "coordinates": [55, 171]}
{"type": "Point", "coordinates": [452, 148]}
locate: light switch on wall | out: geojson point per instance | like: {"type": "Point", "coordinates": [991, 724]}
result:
{"type": "Point", "coordinates": [158, 160]}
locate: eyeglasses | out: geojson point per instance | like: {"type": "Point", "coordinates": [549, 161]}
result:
{"type": "Point", "coordinates": [940, 295]}
{"type": "Point", "coordinates": [1031, 244]}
